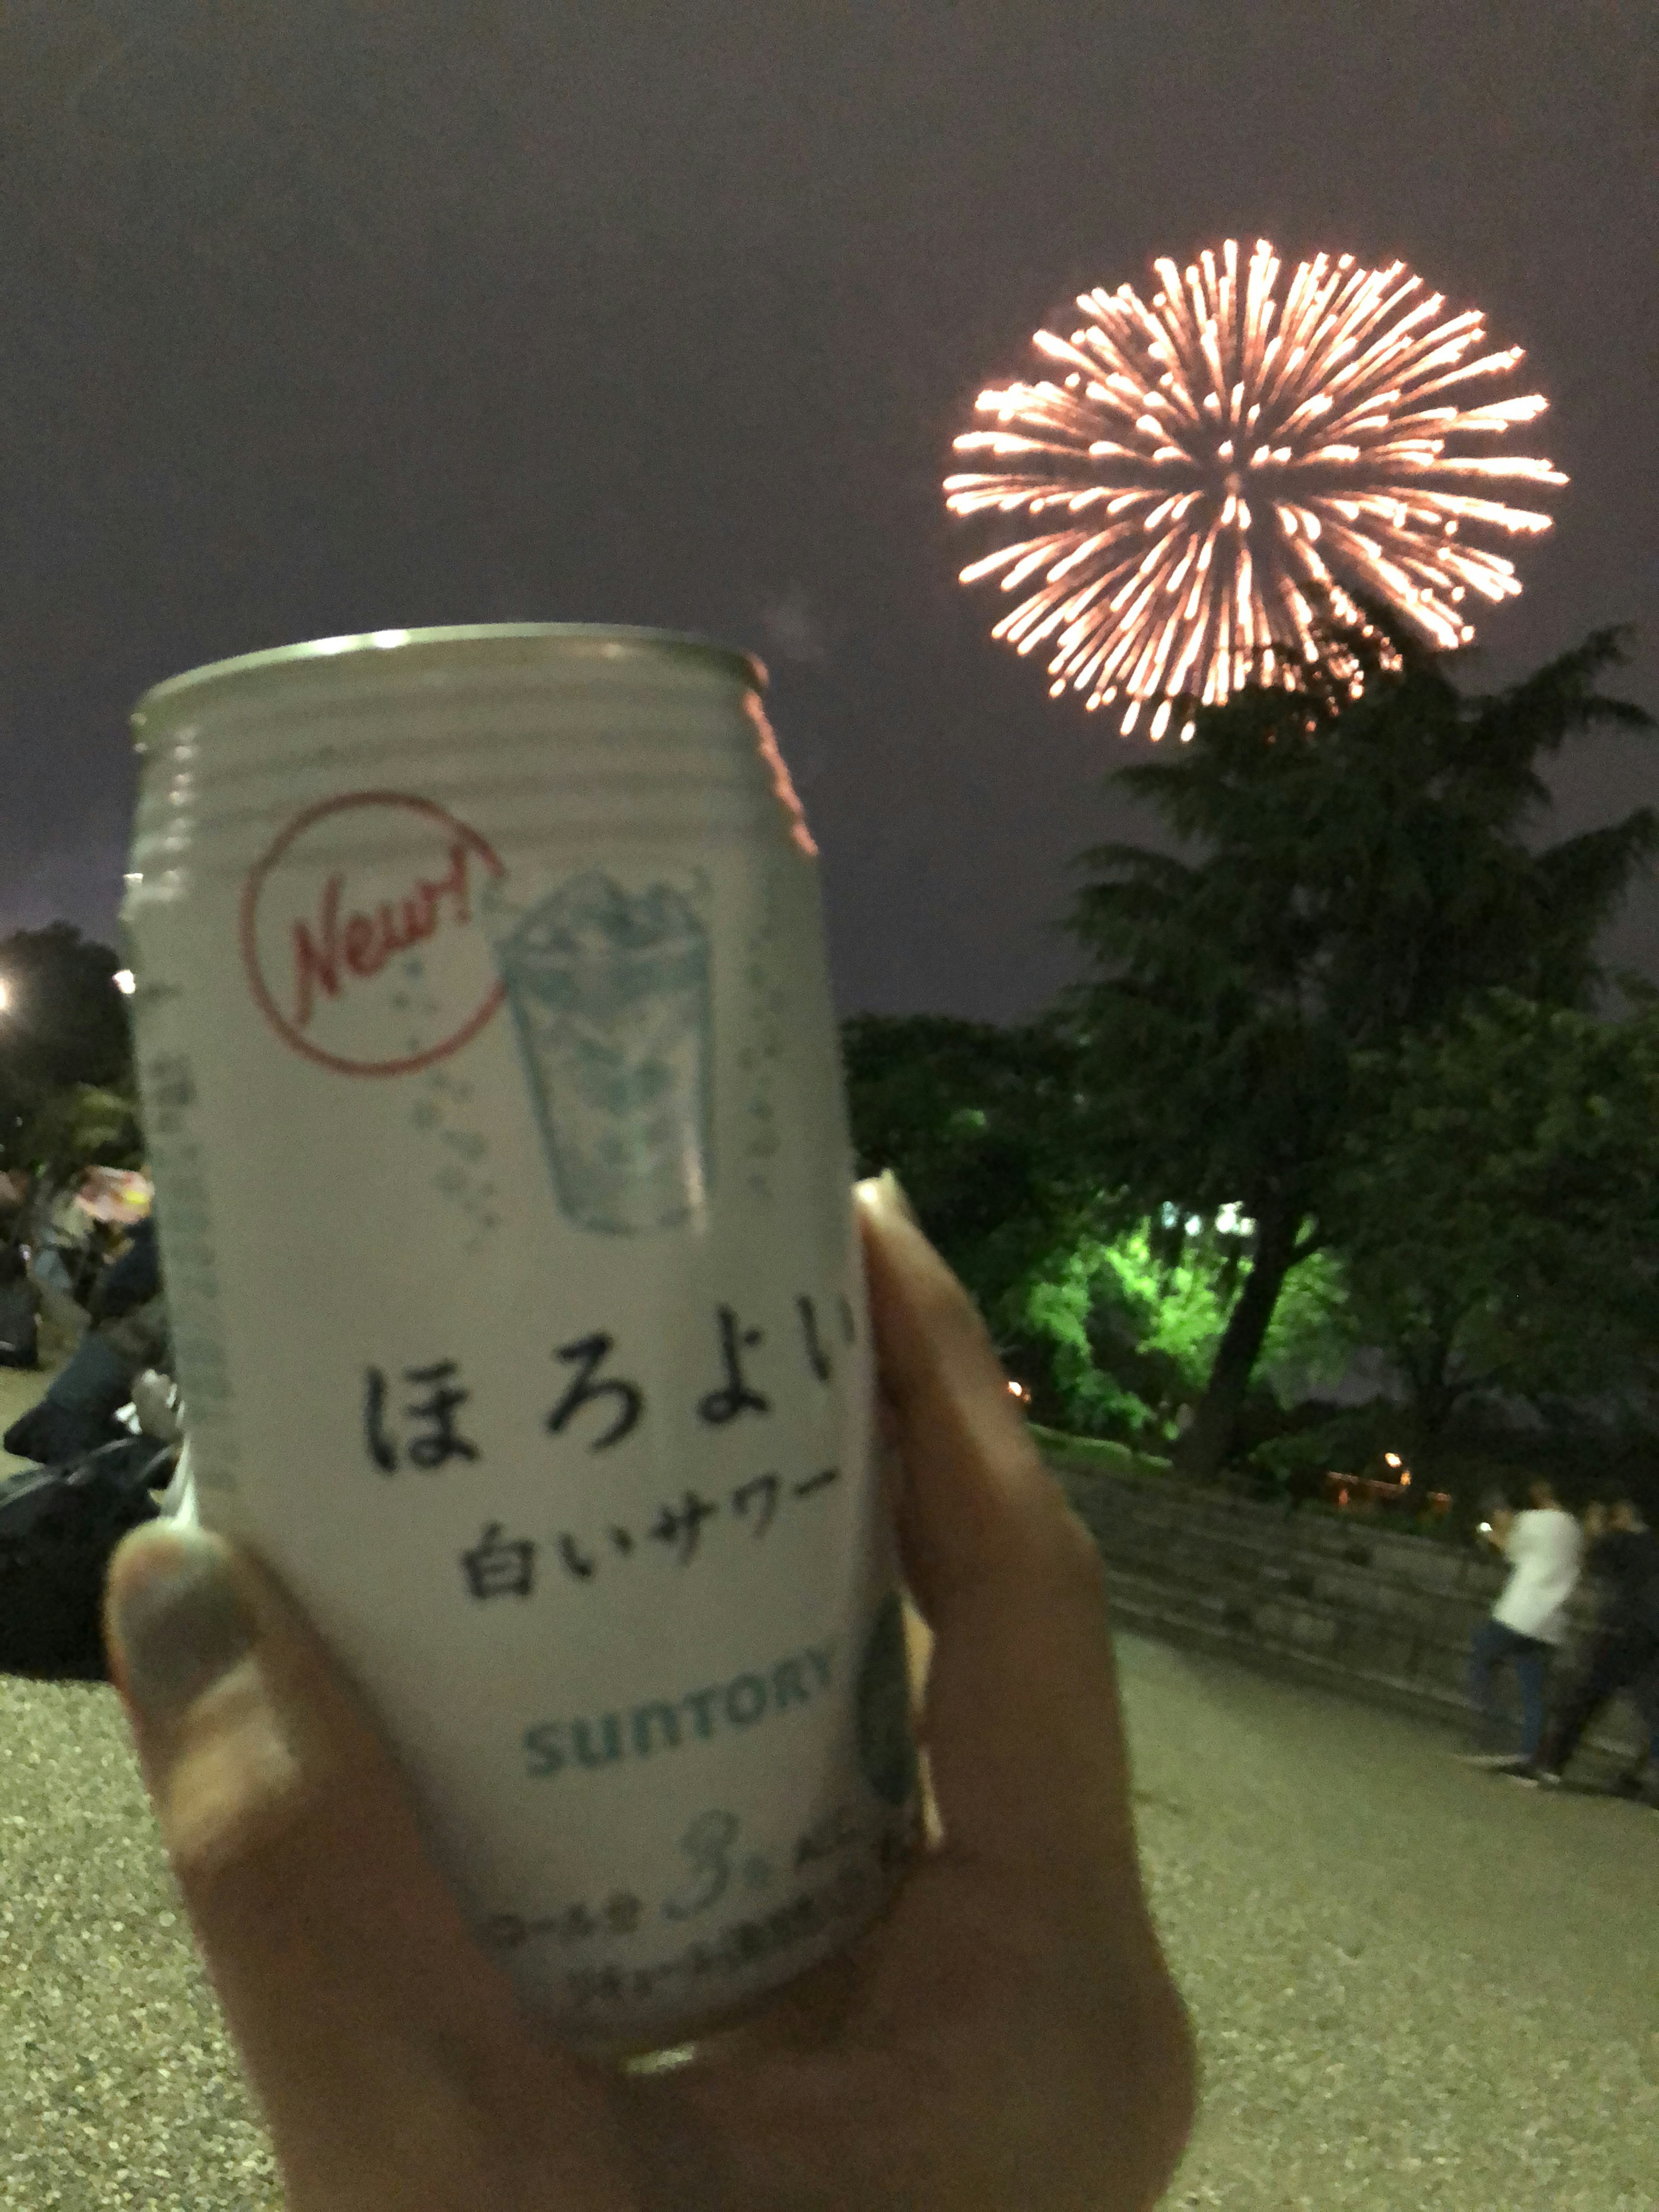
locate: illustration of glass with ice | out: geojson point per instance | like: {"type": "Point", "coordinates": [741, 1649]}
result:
{"type": "Point", "coordinates": [609, 994]}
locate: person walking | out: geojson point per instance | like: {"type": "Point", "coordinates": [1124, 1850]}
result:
{"type": "Point", "coordinates": [1544, 1546]}
{"type": "Point", "coordinates": [1624, 1654]}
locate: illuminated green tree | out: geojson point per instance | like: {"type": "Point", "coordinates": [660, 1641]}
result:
{"type": "Point", "coordinates": [1132, 1324]}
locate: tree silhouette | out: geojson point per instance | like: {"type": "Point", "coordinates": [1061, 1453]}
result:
{"type": "Point", "coordinates": [1359, 872]}
{"type": "Point", "coordinates": [64, 1023]}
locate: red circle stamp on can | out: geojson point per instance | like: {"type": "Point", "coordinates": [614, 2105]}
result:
{"type": "Point", "coordinates": [361, 934]}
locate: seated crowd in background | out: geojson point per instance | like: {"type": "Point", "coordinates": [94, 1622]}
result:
{"type": "Point", "coordinates": [95, 1283]}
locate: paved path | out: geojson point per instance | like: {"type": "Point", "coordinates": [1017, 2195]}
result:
{"type": "Point", "coordinates": [1415, 1987]}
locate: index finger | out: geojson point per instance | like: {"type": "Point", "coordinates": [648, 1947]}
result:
{"type": "Point", "coordinates": [1024, 1732]}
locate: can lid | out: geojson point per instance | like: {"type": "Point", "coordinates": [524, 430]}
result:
{"type": "Point", "coordinates": [607, 641]}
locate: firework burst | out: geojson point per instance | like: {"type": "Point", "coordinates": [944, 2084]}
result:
{"type": "Point", "coordinates": [1223, 461]}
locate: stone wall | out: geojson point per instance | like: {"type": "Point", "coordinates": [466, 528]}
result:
{"type": "Point", "coordinates": [1368, 1611]}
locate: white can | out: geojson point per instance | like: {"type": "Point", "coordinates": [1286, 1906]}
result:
{"type": "Point", "coordinates": [503, 1186]}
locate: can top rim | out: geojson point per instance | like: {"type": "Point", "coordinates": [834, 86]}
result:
{"type": "Point", "coordinates": [602, 640]}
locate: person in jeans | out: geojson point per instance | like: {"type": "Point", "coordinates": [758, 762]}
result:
{"type": "Point", "coordinates": [1544, 1548]}
{"type": "Point", "coordinates": [1624, 1654]}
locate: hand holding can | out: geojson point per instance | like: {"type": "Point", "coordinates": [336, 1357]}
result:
{"type": "Point", "coordinates": [1006, 2036]}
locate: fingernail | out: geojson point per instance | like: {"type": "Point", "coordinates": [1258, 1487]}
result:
{"type": "Point", "coordinates": [178, 1619]}
{"type": "Point", "coordinates": [892, 1192]}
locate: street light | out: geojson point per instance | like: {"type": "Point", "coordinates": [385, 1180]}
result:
{"type": "Point", "coordinates": [5, 994]}
{"type": "Point", "coordinates": [122, 981]}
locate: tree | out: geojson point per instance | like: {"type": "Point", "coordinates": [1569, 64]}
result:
{"type": "Point", "coordinates": [1497, 1206]}
{"type": "Point", "coordinates": [979, 1124]}
{"type": "Point", "coordinates": [63, 1023]}
{"type": "Point", "coordinates": [78, 1127]}
{"type": "Point", "coordinates": [1362, 872]}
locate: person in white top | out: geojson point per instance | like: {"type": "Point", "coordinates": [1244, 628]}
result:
{"type": "Point", "coordinates": [1544, 1548]}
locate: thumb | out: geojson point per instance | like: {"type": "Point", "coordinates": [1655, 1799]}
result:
{"type": "Point", "coordinates": [367, 2016]}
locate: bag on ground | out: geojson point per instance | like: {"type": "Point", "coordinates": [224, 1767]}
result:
{"type": "Point", "coordinates": [58, 1525]}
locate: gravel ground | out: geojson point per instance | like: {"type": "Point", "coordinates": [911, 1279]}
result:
{"type": "Point", "coordinates": [1414, 1986]}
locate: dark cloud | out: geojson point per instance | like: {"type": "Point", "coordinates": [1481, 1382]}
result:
{"type": "Point", "coordinates": [323, 318]}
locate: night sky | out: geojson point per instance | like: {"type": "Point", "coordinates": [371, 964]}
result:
{"type": "Point", "coordinates": [327, 316]}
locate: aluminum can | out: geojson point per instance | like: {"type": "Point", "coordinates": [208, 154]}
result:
{"type": "Point", "coordinates": [491, 1090]}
